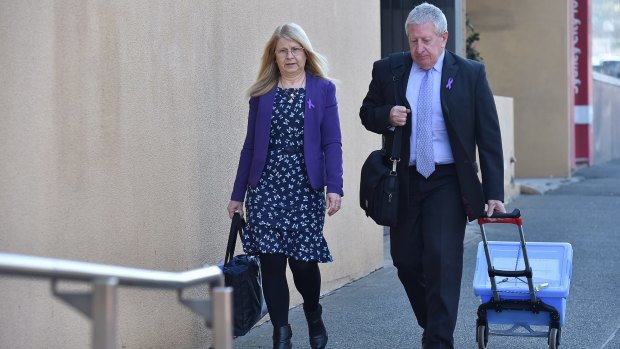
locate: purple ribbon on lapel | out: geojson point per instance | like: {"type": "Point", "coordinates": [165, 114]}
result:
{"type": "Point", "coordinates": [449, 84]}
{"type": "Point", "coordinates": [310, 105]}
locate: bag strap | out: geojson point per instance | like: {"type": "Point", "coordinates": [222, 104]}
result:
{"type": "Point", "coordinates": [397, 65]}
{"type": "Point", "coordinates": [236, 227]}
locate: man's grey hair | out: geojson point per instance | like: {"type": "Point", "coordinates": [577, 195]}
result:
{"type": "Point", "coordinates": [426, 12]}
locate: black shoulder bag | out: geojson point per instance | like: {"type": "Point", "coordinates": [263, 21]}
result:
{"type": "Point", "coordinates": [379, 179]}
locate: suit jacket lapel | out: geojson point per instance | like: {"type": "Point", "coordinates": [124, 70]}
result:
{"type": "Point", "coordinates": [309, 108]}
{"type": "Point", "coordinates": [266, 104]}
{"type": "Point", "coordinates": [263, 121]}
{"type": "Point", "coordinates": [449, 71]}
{"type": "Point", "coordinates": [309, 119]}
{"type": "Point", "coordinates": [404, 81]}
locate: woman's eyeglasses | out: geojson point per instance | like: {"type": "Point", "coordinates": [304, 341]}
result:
{"type": "Point", "coordinates": [296, 51]}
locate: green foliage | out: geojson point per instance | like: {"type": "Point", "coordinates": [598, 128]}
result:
{"type": "Point", "coordinates": [472, 37]}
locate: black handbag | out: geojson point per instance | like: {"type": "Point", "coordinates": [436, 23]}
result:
{"type": "Point", "coordinates": [242, 273]}
{"type": "Point", "coordinates": [379, 179]}
{"type": "Point", "coordinates": [379, 184]}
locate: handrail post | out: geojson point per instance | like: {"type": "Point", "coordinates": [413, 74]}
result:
{"type": "Point", "coordinates": [104, 313]}
{"type": "Point", "coordinates": [222, 317]}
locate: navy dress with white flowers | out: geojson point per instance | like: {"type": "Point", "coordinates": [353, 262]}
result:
{"type": "Point", "coordinates": [285, 215]}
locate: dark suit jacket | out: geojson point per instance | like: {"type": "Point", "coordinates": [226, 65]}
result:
{"type": "Point", "coordinates": [471, 120]}
{"type": "Point", "coordinates": [322, 139]}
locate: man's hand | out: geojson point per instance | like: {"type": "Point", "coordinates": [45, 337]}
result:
{"type": "Point", "coordinates": [495, 206]}
{"type": "Point", "coordinates": [398, 115]}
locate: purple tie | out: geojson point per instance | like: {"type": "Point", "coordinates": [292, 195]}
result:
{"type": "Point", "coordinates": [425, 162]}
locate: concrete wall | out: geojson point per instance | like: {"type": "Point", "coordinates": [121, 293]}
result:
{"type": "Point", "coordinates": [525, 45]}
{"type": "Point", "coordinates": [121, 126]}
{"type": "Point", "coordinates": [505, 111]}
{"type": "Point", "coordinates": [606, 123]}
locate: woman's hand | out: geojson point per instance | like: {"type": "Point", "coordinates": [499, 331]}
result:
{"type": "Point", "coordinates": [235, 206]}
{"type": "Point", "coordinates": [333, 203]}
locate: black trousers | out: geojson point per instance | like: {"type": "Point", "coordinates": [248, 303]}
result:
{"type": "Point", "coordinates": [427, 251]}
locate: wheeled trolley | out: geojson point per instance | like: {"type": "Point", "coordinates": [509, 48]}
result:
{"type": "Point", "coordinates": [521, 285]}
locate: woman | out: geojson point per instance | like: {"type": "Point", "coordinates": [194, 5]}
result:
{"type": "Point", "coordinates": [292, 151]}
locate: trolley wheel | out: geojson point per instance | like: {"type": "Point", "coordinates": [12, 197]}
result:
{"type": "Point", "coordinates": [554, 338]}
{"type": "Point", "coordinates": [482, 336]}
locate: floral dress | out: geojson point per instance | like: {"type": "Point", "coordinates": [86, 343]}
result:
{"type": "Point", "coordinates": [285, 215]}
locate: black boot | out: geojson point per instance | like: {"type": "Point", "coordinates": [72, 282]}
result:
{"type": "Point", "coordinates": [316, 328]}
{"type": "Point", "coordinates": [282, 337]}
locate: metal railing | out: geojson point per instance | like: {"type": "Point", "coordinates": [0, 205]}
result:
{"type": "Point", "coordinates": [99, 304]}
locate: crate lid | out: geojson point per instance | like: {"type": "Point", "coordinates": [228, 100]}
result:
{"type": "Point", "coordinates": [551, 264]}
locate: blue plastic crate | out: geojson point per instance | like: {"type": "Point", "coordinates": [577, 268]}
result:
{"type": "Point", "coordinates": [552, 266]}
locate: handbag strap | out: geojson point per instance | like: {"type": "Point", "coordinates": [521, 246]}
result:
{"type": "Point", "coordinates": [236, 228]}
{"type": "Point", "coordinates": [397, 65]}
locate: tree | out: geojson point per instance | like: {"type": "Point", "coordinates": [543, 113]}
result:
{"type": "Point", "coordinates": [472, 36]}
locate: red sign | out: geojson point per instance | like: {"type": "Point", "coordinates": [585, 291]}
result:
{"type": "Point", "coordinates": [582, 66]}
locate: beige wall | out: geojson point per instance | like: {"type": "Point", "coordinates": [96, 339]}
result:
{"type": "Point", "coordinates": [122, 124]}
{"type": "Point", "coordinates": [525, 45]}
{"type": "Point", "coordinates": [505, 111]}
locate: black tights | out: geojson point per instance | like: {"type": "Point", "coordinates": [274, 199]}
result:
{"type": "Point", "coordinates": [306, 276]}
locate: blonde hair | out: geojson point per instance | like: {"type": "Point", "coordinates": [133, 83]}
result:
{"type": "Point", "coordinates": [268, 72]}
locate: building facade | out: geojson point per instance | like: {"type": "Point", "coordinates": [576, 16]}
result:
{"type": "Point", "coordinates": [122, 124]}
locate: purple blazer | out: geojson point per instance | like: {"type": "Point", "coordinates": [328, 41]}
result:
{"type": "Point", "coordinates": [322, 139]}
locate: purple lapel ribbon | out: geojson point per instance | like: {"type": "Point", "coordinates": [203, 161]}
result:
{"type": "Point", "coordinates": [310, 105]}
{"type": "Point", "coordinates": [449, 84]}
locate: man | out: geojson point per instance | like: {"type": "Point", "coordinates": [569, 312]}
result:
{"type": "Point", "coordinates": [445, 107]}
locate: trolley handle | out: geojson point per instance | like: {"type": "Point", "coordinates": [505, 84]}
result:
{"type": "Point", "coordinates": [513, 217]}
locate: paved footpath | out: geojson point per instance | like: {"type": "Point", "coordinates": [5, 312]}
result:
{"type": "Point", "coordinates": [373, 312]}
